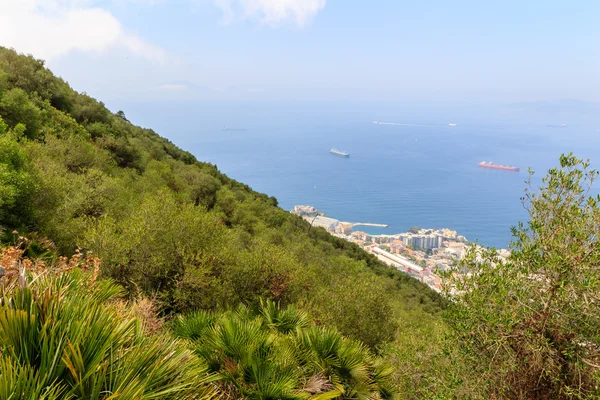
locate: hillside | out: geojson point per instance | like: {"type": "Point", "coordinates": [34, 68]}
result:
{"type": "Point", "coordinates": [131, 270]}
{"type": "Point", "coordinates": [77, 177]}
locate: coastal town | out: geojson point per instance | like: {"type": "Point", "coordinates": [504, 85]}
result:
{"type": "Point", "coordinates": [420, 253]}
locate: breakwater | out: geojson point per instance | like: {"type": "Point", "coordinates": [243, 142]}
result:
{"type": "Point", "coordinates": [368, 224]}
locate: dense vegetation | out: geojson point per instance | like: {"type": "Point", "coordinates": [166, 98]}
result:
{"type": "Point", "coordinates": [533, 321]}
{"type": "Point", "coordinates": [183, 283]}
{"type": "Point", "coordinates": [279, 354]}
{"type": "Point", "coordinates": [78, 179]}
{"type": "Point", "coordinates": [168, 226]}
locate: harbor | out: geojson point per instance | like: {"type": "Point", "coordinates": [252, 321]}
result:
{"type": "Point", "coordinates": [317, 218]}
{"type": "Point", "coordinates": [421, 252]}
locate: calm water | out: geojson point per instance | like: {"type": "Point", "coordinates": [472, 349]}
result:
{"type": "Point", "coordinates": [398, 175]}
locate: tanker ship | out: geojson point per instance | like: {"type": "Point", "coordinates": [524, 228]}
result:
{"type": "Point", "coordinates": [490, 164]}
{"type": "Point", "coordinates": [340, 153]}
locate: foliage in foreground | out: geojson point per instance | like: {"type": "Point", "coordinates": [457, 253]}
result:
{"type": "Point", "coordinates": [63, 336]}
{"type": "Point", "coordinates": [273, 353]}
{"type": "Point", "coordinates": [533, 321]}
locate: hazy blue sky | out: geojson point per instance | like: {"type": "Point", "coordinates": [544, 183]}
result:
{"type": "Point", "coordinates": [333, 50]}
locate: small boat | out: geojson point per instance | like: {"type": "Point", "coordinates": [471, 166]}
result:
{"type": "Point", "coordinates": [489, 164]}
{"type": "Point", "coordinates": [339, 153]}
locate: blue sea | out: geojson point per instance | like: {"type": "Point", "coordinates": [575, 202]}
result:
{"type": "Point", "coordinates": [424, 173]}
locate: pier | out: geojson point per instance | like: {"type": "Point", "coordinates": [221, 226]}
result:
{"type": "Point", "coordinates": [317, 218]}
{"type": "Point", "coordinates": [369, 224]}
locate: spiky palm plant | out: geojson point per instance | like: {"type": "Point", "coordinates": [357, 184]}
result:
{"type": "Point", "coordinates": [194, 326]}
{"type": "Point", "coordinates": [275, 353]}
{"type": "Point", "coordinates": [347, 364]}
{"type": "Point", "coordinates": [285, 320]}
{"type": "Point", "coordinates": [238, 347]}
{"type": "Point", "coordinates": [60, 339]}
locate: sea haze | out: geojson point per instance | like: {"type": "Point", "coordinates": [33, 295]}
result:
{"type": "Point", "coordinates": [425, 175]}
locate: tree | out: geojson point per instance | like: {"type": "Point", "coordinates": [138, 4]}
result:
{"type": "Point", "coordinates": [121, 115]}
{"type": "Point", "coordinates": [86, 110]}
{"type": "Point", "coordinates": [3, 126]}
{"type": "Point", "coordinates": [30, 74]}
{"type": "Point", "coordinates": [16, 107]}
{"type": "Point", "coordinates": [533, 320]}
{"type": "Point", "coordinates": [16, 183]}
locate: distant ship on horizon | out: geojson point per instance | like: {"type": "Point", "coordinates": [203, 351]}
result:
{"type": "Point", "coordinates": [339, 153]}
{"type": "Point", "coordinates": [228, 129]}
{"type": "Point", "coordinates": [489, 164]}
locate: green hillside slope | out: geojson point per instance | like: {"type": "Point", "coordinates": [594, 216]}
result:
{"type": "Point", "coordinates": [168, 226]}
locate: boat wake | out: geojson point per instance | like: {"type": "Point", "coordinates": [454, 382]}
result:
{"type": "Point", "coordinates": [413, 125]}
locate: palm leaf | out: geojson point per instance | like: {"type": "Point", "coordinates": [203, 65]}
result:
{"type": "Point", "coordinates": [60, 340]}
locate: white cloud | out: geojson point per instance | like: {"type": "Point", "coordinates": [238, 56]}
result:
{"type": "Point", "coordinates": [49, 29]}
{"type": "Point", "coordinates": [272, 12]}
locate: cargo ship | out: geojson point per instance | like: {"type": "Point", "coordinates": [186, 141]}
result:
{"type": "Point", "coordinates": [490, 164]}
{"type": "Point", "coordinates": [339, 153]}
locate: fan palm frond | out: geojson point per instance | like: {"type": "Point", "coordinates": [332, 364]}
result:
{"type": "Point", "coordinates": [59, 339]}
{"type": "Point", "coordinates": [285, 320]}
{"type": "Point", "coordinates": [194, 326]}
{"type": "Point", "coordinates": [276, 353]}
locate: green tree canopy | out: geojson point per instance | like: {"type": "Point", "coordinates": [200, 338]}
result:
{"type": "Point", "coordinates": [16, 183]}
{"type": "Point", "coordinates": [414, 229]}
{"type": "Point", "coordinates": [16, 107]}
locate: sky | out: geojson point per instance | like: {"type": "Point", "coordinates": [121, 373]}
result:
{"type": "Point", "coordinates": [315, 50]}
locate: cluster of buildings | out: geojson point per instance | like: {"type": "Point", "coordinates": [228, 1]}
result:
{"type": "Point", "coordinates": [425, 274]}
{"type": "Point", "coordinates": [428, 239]}
{"type": "Point", "coordinates": [420, 239]}
{"type": "Point", "coordinates": [421, 253]}
{"type": "Point", "coordinates": [437, 253]}
{"type": "Point", "coordinates": [306, 211]}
